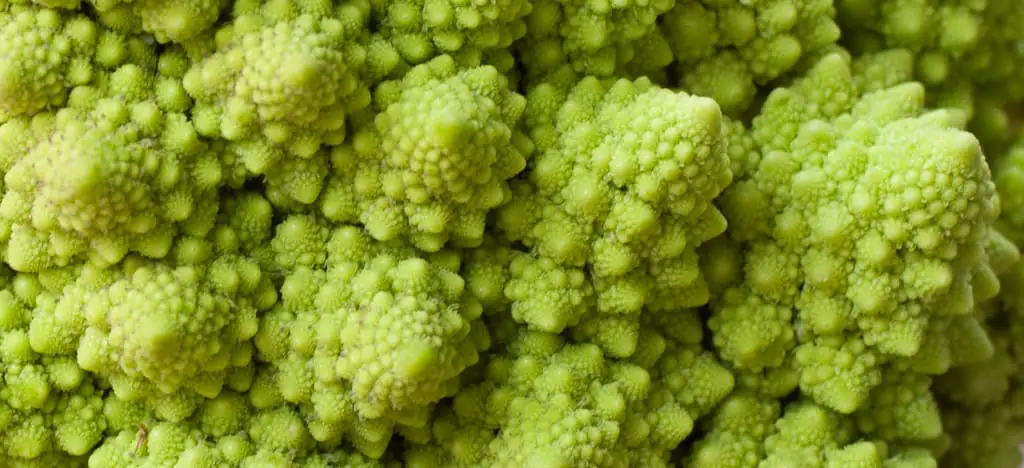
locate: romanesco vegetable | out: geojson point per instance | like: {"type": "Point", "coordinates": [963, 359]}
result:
{"type": "Point", "coordinates": [632, 212]}
{"type": "Point", "coordinates": [725, 49]}
{"type": "Point", "coordinates": [849, 252]}
{"type": "Point", "coordinates": [434, 161]}
{"type": "Point", "coordinates": [120, 170]}
{"type": "Point", "coordinates": [511, 233]}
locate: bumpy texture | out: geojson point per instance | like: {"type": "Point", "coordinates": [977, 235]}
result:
{"type": "Point", "coordinates": [982, 402]}
{"type": "Point", "coordinates": [368, 336]}
{"type": "Point", "coordinates": [863, 222]}
{"type": "Point", "coordinates": [967, 53]}
{"type": "Point", "coordinates": [420, 30]}
{"type": "Point", "coordinates": [511, 233]}
{"type": "Point", "coordinates": [591, 37]}
{"type": "Point", "coordinates": [266, 63]}
{"type": "Point", "coordinates": [1008, 174]}
{"type": "Point", "coordinates": [50, 409]}
{"type": "Point", "coordinates": [46, 53]}
{"type": "Point", "coordinates": [622, 184]}
{"type": "Point", "coordinates": [43, 53]}
{"type": "Point", "coordinates": [225, 431]}
{"type": "Point", "coordinates": [435, 160]}
{"type": "Point", "coordinates": [727, 49]}
{"type": "Point", "coordinates": [561, 404]}
{"type": "Point", "coordinates": [161, 333]}
{"type": "Point", "coordinates": [166, 20]}
{"type": "Point", "coordinates": [120, 170]}
{"type": "Point", "coordinates": [173, 328]}
{"type": "Point", "coordinates": [747, 430]}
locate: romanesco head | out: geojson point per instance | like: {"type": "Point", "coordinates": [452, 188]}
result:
{"type": "Point", "coordinates": [249, 88]}
{"type": "Point", "coordinates": [727, 49]}
{"type": "Point", "coordinates": [419, 30]}
{"type": "Point", "coordinates": [119, 171]}
{"type": "Point", "coordinates": [621, 184]}
{"type": "Point", "coordinates": [843, 236]}
{"type": "Point", "coordinates": [435, 160]}
{"type": "Point", "coordinates": [43, 53]}
{"type": "Point", "coordinates": [592, 37]}
{"type": "Point", "coordinates": [370, 336]}
{"type": "Point", "coordinates": [171, 329]}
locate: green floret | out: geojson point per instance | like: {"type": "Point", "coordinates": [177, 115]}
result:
{"type": "Point", "coordinates": [173, 328]}
{"type": "Point", "coordinates": [841, 371]}
{"type": "Point", "coordinates": [1008, 174]}
{"type": "Point", "coordinates": [244, 223]}
{"type": "Point", "coordinates": [901, 408]}
{"type": "Point", "coordinates": [43, 53]}
{"type": "Point", "coordinates": [166, 21]}
{"type": "Point", "coordinates": [120, 170]}
{"type": "Point", "coordinates": [759, 332]}
{"type": "Point", "coordinates": [985, 438]}
{"type": "Point", "coordinates": [546, 295]}
{"type": "Point", "coordinates": [68, 426]}
{"type": "Point", "coordinates": [291, 184]}
{"type": "Point", "coordinates": [966, 52]}
{"type": "Point", "coordinates": [986, 382]}
{"type": "Point", "coordinates": [810, 435]}
{"type": "Point", "coordinates": [166, 333]}
{"type": "Point", "coordinates": [435, 159]}
{"type": "Point", "coordinates": [50, 409]}
{"type": "Point", "coordinates": [373, 340]}
{"type": "Point", "coordinates": [225, 432]}
{"type": "Point", "coordinates": [746, 431]}
{"type": "Point", "coordinates": [938, 31]}
{"type": "Point", "coordinates": [840, 237]}
{"type": "Point", "coordinates": [592, 37]}
{"type": "Point", "coordinates": [882, 70]}
{"type": "Point", "coordinates": [550, 426]}
{"type": "Point", "coordinates": [57, 321]}
{"type": "Point", "coordinates": [621, 184]}
{"type": "Point", "coordinates": [981, 401]}
{"type": "Point", "coordinates": [283, 77]}
{"type": "Point", "coordinates": [952, 342]}
{"type": "Point", "coordinates": [299, 241]}
{"type": "Point", "coordinates": [411, 306]}
{"type": "Point", "coordinates": [419, 30]}
{"type": "Point", "coordinates": [727, 49]}
{"type": "Point", "coordinates": [735, 432]}
{"type": "Point", "coordinates": [511, 233]}
{"type": "Point", "coordinates": [556, 404]}
{"type": "Point", "coordinates": [486, 270]}
{"type": "Point", "coordinates": [222, 432]}
{"type": "Point", "coordinates": [547, 402]}
{"type": "Point", "coordinates": [688, 382]}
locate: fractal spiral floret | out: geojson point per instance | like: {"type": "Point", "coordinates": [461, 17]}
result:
{"type": "Point", "coordinates": [511, 233]}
